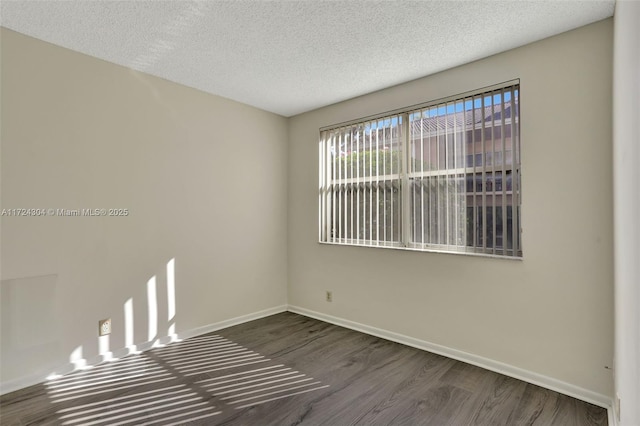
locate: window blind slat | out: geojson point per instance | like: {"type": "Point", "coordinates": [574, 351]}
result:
{"type": "Point", "coordinates": [515, 174]}
{"type": "Point", "coordinates": [321, 186]}
{"type": "Point", "coordinates": [447, 180]}
{"type": "Point", "coordinates": [431, 186]}
{"type": "Point", "coordinates": [484, 176]}
{"type": "Point", "coordinates": [341, 162]}
{"type": "Point", "coordinates": [494, 218]}
{"type": "Point", "coordinates": [465, 209]}
{"type": "Point", "coordinates": [384, 193]}
{"type": "Point", "coordinates": [405, 188]}
{"type": "Point", "coordinates": [438, 206]}
{"type": "Point", "coordinates": [421, 186]}
{"type": "Point", "coordinates": [505, 231]}
{"type": "Point", "coordinates": [370, 190]}
{"type": "Point", "coordinates": [377, 187]}
{"type": "Point", "coordinates": [474, 176]}
{"type": "Point", "coordinates": [357, 188]}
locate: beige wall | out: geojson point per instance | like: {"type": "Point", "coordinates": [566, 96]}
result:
{"type": "Point", "coordinates": [550, 313]}
{"type": "Point", "coordinates": [204, 179]}
{"type": "Point", "coordinates": [626, 157]}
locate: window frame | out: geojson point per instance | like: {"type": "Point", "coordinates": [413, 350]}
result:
{"type": "Point", "coordinates": [404, 175]}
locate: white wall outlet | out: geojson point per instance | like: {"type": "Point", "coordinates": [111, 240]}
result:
{"type": "Point", "coordinates": [618, 407]}
{"type": "Point", "coordinates": [104, 327]}
{"type": "Point", "coordinates": [329, 296]}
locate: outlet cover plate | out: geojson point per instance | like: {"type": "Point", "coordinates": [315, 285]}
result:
{"type": "Point", "coordinates": [104, 327]}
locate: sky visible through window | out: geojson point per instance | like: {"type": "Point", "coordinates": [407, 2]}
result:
{"type": "Point", "coordinates": [451, 108]}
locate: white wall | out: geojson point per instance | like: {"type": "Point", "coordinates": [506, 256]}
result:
{"type": "Point", "coordinates": [552, 312]}
{"type": "Point", "coordinates": [204, 179]}
{"type": "Point", "coordinates": [626, 132]}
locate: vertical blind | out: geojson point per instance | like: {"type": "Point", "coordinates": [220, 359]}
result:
{"type": "Point", "coordinates": [443, 176]}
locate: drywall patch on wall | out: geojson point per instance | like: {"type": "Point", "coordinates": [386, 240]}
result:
{"type": "Point", "coordinates": [28, 320]}
{"type": "Point", "coordinates": [28, 312]}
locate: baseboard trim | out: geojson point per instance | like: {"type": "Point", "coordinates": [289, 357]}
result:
{"type": "Point", "coordinates": [33, 379]}
{"type": "Point", "coordinates": [486, 363]}
{"type": "Point", "coordinates": [231, 322]}
{"type": "Point", "coordinates": [611, 416]}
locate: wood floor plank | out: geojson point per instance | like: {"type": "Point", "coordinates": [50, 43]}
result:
{"type": "Point", "coordinates": [537, 406]}
{"type": "Point", "coordinates": [288, 369]}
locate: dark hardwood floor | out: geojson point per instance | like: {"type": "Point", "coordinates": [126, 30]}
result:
{"type": "Point", "coordinates": [288, 369]}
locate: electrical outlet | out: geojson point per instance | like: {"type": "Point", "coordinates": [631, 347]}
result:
{"type": "Point", "coordinates": [618, 407]}
{"type": "Point", "coordinates": [329, 296]}
{"type": "Point", "coordinates": [104, 327]}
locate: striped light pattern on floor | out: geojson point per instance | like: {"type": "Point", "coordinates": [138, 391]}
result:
{"type": "Point", "coordinates": [257, 386]}
{"type": "Point", "coordinates": [183, 382]}
{"type": "Point", "coordinates": [177, 404]}
{"type": "Point", "coordinates": [206, 355]}
{"type": "Point", "coordinates": [120, 375]}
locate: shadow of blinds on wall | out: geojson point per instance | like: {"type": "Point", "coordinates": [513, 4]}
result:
{"type": "Point", "coordinates": [441, 176]}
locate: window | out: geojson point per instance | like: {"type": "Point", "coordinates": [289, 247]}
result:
{"type": "Point", "coordinates": [442, 176]}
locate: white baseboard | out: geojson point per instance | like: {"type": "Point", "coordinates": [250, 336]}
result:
{"type": "Point", "coordinates": [231, 322]}
{"type": "Point", "coordinates": [34, 379]}
{"type": "Point", "coordinates": [611, 415]}
{"type": "Point", "coordinates": [486, 363]}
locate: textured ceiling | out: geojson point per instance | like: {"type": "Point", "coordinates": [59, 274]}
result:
{"type": "Point", "coordinates": [294, 56]}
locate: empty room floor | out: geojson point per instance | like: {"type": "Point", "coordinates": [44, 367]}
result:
{"type": "Point", "coordinates": [288, 369]}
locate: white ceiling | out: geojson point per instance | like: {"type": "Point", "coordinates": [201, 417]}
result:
{"type": "Point", "coordinates": [290, 57]}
